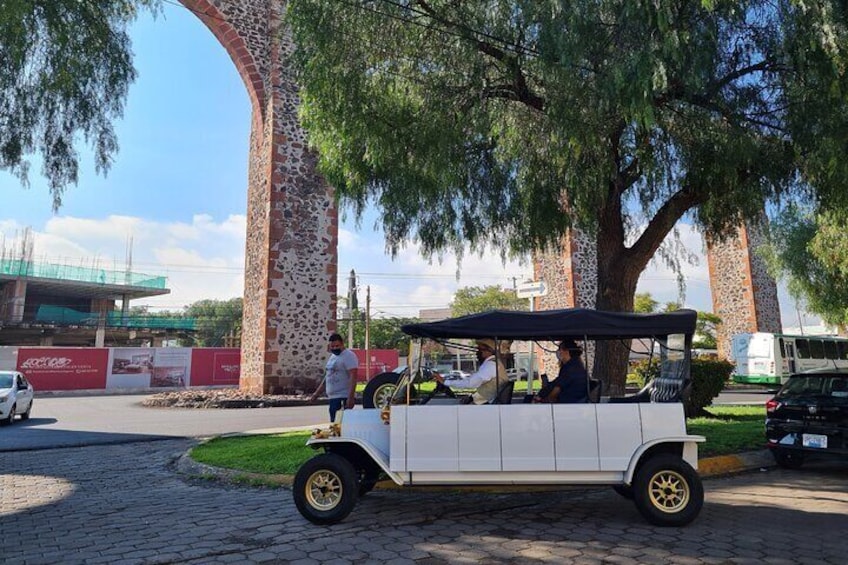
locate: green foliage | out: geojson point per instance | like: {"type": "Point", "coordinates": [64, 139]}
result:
{"type": "Point", "coordinates": [476, 299]}
{"type": "Point", "coordinates": [385, 333]}
{"type": "Point", "coordinates": [811, 251]}
{"type": "Point", "coordinates": [216, 319]}
{"type": "Point", "coordinates": [708, 379]}
{"type": "Point", "coordinates": [644, 303]}
{"type": "Point", "coordinates": [507, 121]}
{"type": "Point", "coordinates": [65, 69]}
{"type": "Point", "coordinates": [705, 330]}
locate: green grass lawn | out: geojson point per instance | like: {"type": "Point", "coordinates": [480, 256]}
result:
{"type": "Point", "coordinates": [733, 430]}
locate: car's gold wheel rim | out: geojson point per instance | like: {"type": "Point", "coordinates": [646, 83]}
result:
{"type": "Point", "coordinates": [324, 490]}
{"type": "Point", "coordinates": [383, 395]}
{"type": "Point", "coordinates": [668, 491]}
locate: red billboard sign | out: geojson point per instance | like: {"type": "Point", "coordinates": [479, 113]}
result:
{"type": "Point", "coordinates": [64, 368]}
{"type": "Point", "coordinates": [215, 366]}
{"type": "Point", "coordinates": [382, 360]}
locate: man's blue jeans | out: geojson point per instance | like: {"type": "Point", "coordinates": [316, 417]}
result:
{"type": "Point", "coordinates": [336, 404]}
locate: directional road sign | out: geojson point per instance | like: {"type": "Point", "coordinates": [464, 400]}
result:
{"type": "Point", "coordinates": [531, 289]}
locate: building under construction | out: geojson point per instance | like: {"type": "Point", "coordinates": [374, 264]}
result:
{"type": "Point", "coordinates": [48, 304]}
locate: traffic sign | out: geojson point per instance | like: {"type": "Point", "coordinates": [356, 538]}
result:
{"type": "Point", "coordinates": [531, 289]}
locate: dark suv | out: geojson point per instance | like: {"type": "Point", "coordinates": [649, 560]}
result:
{"type": "Point", "coordinates": [809, 414]}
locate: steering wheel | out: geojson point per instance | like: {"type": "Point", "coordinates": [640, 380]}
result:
{"type": "Point", "coordinates": [443, 388]}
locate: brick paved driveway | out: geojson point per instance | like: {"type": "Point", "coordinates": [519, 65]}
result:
{"type": "Point", "coordinates": [125, 504]}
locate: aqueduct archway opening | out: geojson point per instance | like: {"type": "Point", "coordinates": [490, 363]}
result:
{"type": "Point", "coordinates": [292, 224]}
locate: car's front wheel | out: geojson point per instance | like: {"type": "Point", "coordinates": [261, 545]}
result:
{"type": "Point", "coordinates": [325, 489]}
{"type": "Point", "coordinates": [10, 418]}
{"type": "Point", "coordinates": [668, 491]}
{"type": "Point", "coordinates": [788, 459]}
{"type": "Point", "coordinates": [25, 415]}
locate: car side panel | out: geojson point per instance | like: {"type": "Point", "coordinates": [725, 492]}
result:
{"type": "Point", "coordinates": [479, 438]}
{"type": "Point", "coordinates": [527, 437]}
{"type": "Point", "coordinates": [432, 441]}
{"type": "Point", "coordinates": [576, 437]}
{"type": "Point", "coordinates": [397, 439]}
{"type": "Point", "coordinates": [619, 434]}
{"type": "Point", "coordinates": [662, 420]}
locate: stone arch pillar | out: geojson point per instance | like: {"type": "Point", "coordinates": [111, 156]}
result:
{"type": "Point", "coordinates": [744, 294]}
{"type": "Point", "coordinates": [292, 222]}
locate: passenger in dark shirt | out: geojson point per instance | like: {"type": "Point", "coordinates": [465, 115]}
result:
{"type": "Point", "coordinates": [572, 382]}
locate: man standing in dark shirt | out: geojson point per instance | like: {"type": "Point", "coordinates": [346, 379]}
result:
{"type": "Point", "coordinates": [572, 382]}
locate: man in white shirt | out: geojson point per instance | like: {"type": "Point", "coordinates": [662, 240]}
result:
{"type": "Point", "coordinates": [484, 378]}
{"type": "Point", "coordinates": [340, 377]}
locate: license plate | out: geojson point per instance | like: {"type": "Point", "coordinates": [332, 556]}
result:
{"type": "Point", "coordinates": [814, 440]}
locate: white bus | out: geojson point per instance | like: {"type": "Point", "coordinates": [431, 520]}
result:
{"type": "Point", "coordinates": [769, 359]}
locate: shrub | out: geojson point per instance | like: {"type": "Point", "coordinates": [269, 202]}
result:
{"type": "Point", "coordinates": [708, 379]}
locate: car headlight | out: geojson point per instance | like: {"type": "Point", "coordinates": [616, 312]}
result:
{"type": "Point", "coordinates": [4, 397]}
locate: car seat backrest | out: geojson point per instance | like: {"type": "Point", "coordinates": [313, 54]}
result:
{"type": "Point", "coordinates": [505, 393]}
{"type": "Point", "coordinates": [666, 389]}
{"type": "Point", "coordinates": [595, 390]}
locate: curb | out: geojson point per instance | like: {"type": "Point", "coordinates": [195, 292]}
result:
{"type": "Point", "coordinates": [708, 467]}
{"type": "Point", "coordinates": [736, 463]}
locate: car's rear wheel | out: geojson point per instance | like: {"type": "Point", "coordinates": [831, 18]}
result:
{"type": "Point", "coordinates": [379, 390]}
{"type": "Point", "coordinates": [668, 491]}
{"type": "Point", "coordinates": [788, 459]}
{"type": "Point", "coordinates": [325, 489]}
{"type": "Point", "coordinates": [25, 415]}
{"type": "Point", "coordinates": [10, 418]}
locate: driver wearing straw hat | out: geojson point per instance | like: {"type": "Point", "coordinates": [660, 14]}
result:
{"type": "Point", "coordinates": [484, 378]}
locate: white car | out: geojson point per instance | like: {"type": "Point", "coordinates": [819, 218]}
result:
{"type": "Point", "coordinates": [15, 397]}
{"type": "Point", "coordinates": [638, 445]}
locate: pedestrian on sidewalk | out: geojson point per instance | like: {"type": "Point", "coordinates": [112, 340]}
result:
{"type": "Point", "coordinates": [339, 377]}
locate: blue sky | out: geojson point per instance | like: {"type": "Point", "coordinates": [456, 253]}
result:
{"type": "Point", "coordinates": [178, 188]}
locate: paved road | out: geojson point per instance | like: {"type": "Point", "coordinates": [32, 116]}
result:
{"type": "Point", "coordinates": [93, 420]}
{"type": "Point", "coordinates": [125, 504]}
{"type": "Point", "coordinates": [66, 421]}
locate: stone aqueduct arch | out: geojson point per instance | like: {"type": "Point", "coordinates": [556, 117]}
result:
{"type": "Point", "coordinates": [292, 224]}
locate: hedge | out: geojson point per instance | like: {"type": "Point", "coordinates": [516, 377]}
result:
{"type": "Point", "coordinates": [708, 379]}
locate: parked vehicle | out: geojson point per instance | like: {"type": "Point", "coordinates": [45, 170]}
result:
{"type": "Point", "coordinates": [807, 416]}
{"type": "Point", "coordinates": [769, 359]}
{"type": "Point", "coordinates": [456, 375]}
{"type": "Point", "coordinates": [16, 396]}
{"type": "Point", "coordinates": [638, 445]}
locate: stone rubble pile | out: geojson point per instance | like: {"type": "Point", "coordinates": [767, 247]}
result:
{"type": "Point", "coordinates": [221, 398]}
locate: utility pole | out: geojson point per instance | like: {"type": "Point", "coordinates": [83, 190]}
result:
{"type": "Point", "coordinates": [352, 306]}
{"type": "Point", "coordinates": [368, 333]}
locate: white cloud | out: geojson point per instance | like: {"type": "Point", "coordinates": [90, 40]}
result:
{"type": "Point", "coordinates": [203, 259]}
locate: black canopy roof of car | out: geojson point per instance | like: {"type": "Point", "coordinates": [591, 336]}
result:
{"type": "Point", "coordinates": [553, 325]}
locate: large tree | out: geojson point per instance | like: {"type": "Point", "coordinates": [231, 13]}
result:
{"type": "Point", "coordinates": [810, 250]}
{"type": "Point", "coordinates": [214, 321]}
{"type": "Point", "coordinates": [512, 121]}
{"type": "Point", "coordinates": [65, 68]}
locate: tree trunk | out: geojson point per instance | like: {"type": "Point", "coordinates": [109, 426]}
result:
{"type": "Point", "coordinates": [618, 273]}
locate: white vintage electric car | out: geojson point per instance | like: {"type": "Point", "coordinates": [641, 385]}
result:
{"type": "Point", "coordinates": [637, 444]}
